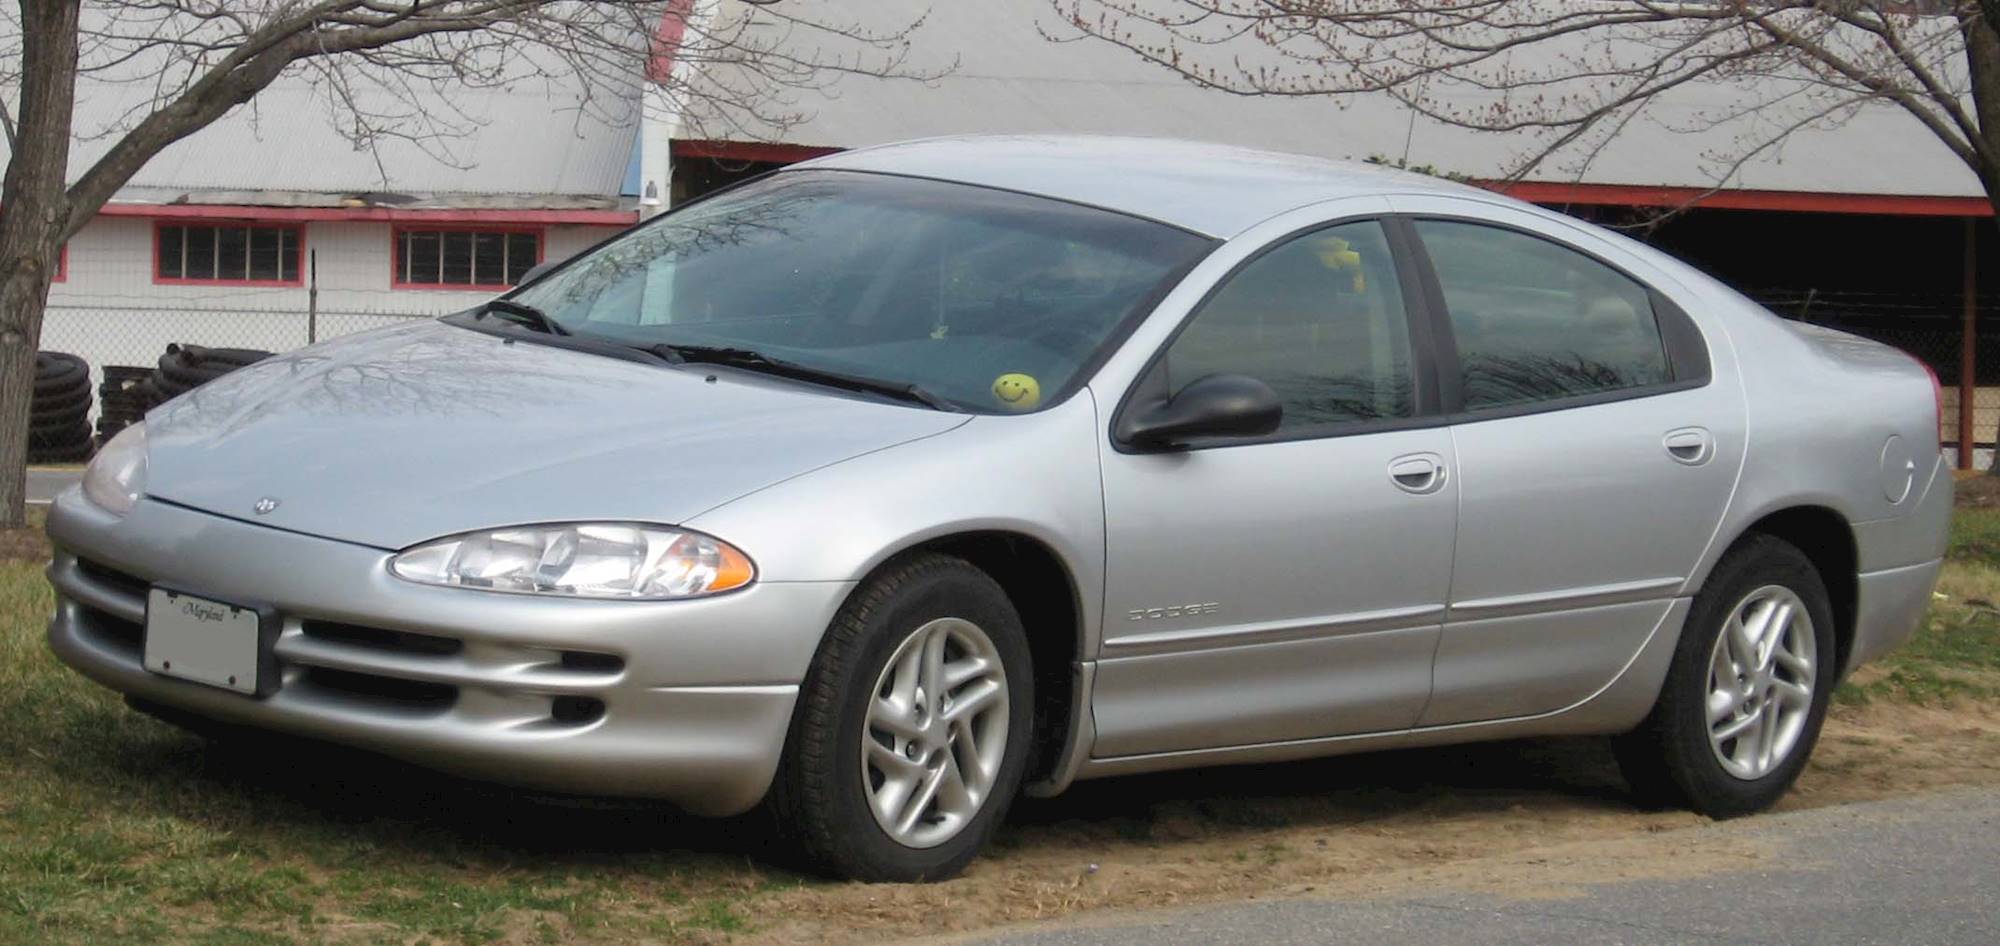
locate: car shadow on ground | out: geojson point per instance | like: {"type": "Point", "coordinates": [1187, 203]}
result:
{"type": "Point", "coordinates": [331, 789]}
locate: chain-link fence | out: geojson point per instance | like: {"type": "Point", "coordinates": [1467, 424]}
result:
{"type": "Point", "coordinates": [1929, 327]}
{"type": "Point", "coordinates": [106, 335]}
{"type": "Point", "coordinates": [136, 337]}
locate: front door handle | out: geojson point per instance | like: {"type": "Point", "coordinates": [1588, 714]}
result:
{"type": "Point", "coordinates": [1419, 473]}
{"type": "Point", "coordinates": [1693, 446]}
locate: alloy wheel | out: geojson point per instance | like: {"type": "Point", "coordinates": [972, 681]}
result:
{"type": "Point", "coordinates": [1761, 675]}
{"type": "Point", "coordinates": [935, 733]}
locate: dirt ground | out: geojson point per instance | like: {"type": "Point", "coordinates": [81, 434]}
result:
{"type": "Point", "coordinates": [1976, 489]}
{"type": "Point", "coordinates": [29, 544]}
{"type": "Point", "coordinates": [1520, 819]}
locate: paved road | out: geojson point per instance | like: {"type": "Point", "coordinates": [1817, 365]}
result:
{"type": "Point", "coordinates": [1922, 870]}
{"type": "Point", "coordinates": [43, 485]}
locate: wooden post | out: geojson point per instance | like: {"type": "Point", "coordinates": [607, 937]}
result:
{"type": "Point", "coordinates": [1968, 348]}
{"type": "Point", "coordinates": [312, 296]}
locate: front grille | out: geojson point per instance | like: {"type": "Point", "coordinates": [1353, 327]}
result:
{"type": "Point", "coordinates": [411, 694]}
{"type": "Point", "coordinates": [112, 632]}
{"type": "Point", "coordinates": [401, 642]}
{"type": "Point", "coordinates": [383, 670]}
{"type": "Point", "coordinates": [588, 662]}
{"type": "Point", "coordinates": [576, 710]}
{"type": "Point", "coordinates": [114, 579]}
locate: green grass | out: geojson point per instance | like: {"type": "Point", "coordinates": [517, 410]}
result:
{"type": "Point", "coordinates": [116, 829]}
{"type": "Point", "coordinates": [1975, 537]}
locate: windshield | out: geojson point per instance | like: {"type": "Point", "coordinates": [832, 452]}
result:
{"type": "Point", "coordinates": [990, 300]}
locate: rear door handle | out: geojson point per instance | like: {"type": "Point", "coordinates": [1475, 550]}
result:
{"type": "Point", "coordinates": [1693, 446]}
{"type": "Point", "coordinates": [1418, 473]}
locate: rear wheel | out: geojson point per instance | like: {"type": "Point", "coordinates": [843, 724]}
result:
{"type": "Point", "coordinates": [912, 729]}
{"type": "Point", "coordinates": [1747, 692]}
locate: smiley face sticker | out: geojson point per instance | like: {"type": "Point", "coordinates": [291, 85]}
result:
{"type": "Point", "coordinates": [1017, 392]}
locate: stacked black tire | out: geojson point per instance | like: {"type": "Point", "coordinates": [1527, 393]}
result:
{"type": "Point", "coordinates": [122, 399]}
{"type": "Point", "coordinates": [186, 367]}
{"type": "Point", "coordinates": [59, 412]}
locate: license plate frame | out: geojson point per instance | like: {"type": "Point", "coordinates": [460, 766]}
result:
{"type": "Point", "coordinates": [220, 644]}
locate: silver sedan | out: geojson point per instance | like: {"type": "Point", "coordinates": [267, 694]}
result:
{"type": "Point", "coordinates": [884, 488]}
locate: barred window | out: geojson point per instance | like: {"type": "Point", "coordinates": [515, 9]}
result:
{"type": "Point", "coordinates": [465, 258]}
{"type": "Point", "coordinates": [228, 253]}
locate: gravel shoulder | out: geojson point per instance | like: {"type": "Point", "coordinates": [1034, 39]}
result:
{"type": "Point", "coordinates": [1907, 870]}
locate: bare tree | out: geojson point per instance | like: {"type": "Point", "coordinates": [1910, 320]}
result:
{"type": "Point", "coordinates": [388, 68]}
{"type": "Point", "coordinates": [1566, 76]}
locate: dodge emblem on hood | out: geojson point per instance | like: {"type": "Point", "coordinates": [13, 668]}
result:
{"type": "Point", "coordinates": [265, 505]}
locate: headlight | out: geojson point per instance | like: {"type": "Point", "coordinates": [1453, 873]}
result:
{"type": "Point", "coordinates": [583, 560]}
{"type": "Point", "coordinates": [117, 477]}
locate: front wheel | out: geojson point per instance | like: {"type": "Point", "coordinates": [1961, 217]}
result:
{"type": "Point", "coordinates": [913, 725]}
{"type": "Point", "coordinates": [1747, 692]}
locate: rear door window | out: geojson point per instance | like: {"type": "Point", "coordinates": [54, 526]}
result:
{"type": "Point", "coordinates": [1537, 321]}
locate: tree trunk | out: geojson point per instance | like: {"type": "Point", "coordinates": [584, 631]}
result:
{"type": "Point", "coordinates": [34, 220]}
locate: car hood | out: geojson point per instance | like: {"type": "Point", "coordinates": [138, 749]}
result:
{"type": "Point", "coordinates": [398, 436]}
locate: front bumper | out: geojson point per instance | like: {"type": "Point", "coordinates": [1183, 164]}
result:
{"type": "Point", "coordinates": [686, 701]}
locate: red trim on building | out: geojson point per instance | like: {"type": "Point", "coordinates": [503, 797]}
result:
{"type": "Point", "coordinates": [298, 254]}
{"type": "Point", "coordinates": [541, 253]}
{"type": "Point", "coordinates": [1635, 195]}
{"type": "Point", "coordinates": [599, 218]}
{"type": "Point", "coordinates": [667, 39]}
{"type": "Point", "coordinates": [750, 151]}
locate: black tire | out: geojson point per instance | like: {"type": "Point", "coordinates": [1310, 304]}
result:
{"type": "Point", "coordinates": [164, 389]}
{"type": "Point", "coordinates": [62, 386]}
{"type": "Point", "coordinates": [231, 357]}
{"type": "Point", "coordinates": [196, 376]}
{"type": "Point", "coordinates": [1669, 760]}
{"type": "Point", "coordinates": [66, 402]}
{"type": "Point", "coordinates": [62, 440]}
{"type": "Point", "coordinates": [189, 374]}
{"type": "Point", "coordinates": [56, 366]}
{"type": "Point", "coordinates": [70, 377]}
{"type": "Point", "coordinates": [71, 453]}
{"type": "Point", "coordinates": [157, 395]}
{"type": "Point", "coordinates": [819, 797]}
{"type": "Point", "coordinates": [56, 424]}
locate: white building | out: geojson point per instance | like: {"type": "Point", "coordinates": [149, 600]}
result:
{"type": "Point", "coordinates": [269, 229]}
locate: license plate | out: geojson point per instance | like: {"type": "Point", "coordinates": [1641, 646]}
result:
{"type": "Point", "coordinates": [206, 641]}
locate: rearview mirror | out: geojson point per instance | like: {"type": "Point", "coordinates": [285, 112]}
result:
{"type": "Point", "coordinates": [1219, 405]}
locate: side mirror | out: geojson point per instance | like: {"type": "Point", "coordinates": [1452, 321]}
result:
{"type": "Point", "coordinates": [537, 271]}
{"type": "Point", "coordinates": [1220, 405]}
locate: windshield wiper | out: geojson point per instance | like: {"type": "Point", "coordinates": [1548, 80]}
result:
{"type": "Point", "coordinates": [521, 313]}
{"type": "Point", "coordinates": [753, 360]}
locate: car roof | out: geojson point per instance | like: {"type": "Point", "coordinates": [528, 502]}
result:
{"type": "Point", "coordinates": [1213, 189]}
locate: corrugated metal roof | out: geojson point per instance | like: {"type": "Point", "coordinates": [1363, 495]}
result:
{"type": "Point", "coordinates": [1218, 190]}
{"type": "Point", "coordinates": [534, 144]}
{"type": "Point", "coordinates": [529, 141]}
{"type": "Point", "coordinates": [1011, 78]}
